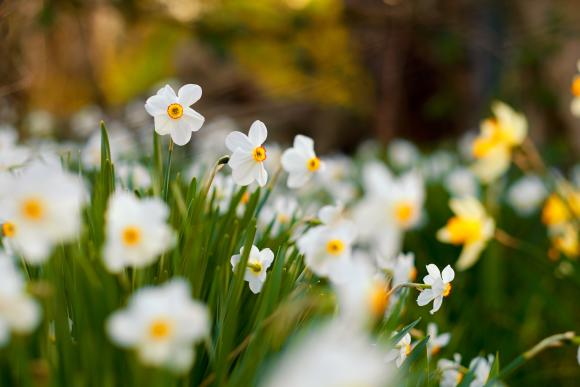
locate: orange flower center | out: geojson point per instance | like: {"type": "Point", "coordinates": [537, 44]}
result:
{"type": "Point", "coordinates": [335, 247]}
{"type": "Point", "coordinates": [160, 329]}
{"type": "Point", "coordinates": [555, 211]}
{"type": "Point", "coordinates": [131, 235]}
{"type": "Point", "coordinates": [8, 229]}
{"type": "Point", "coordinates": [404, 212]}
{"type": "Point", "coordinates": [313, 164]}
{"type": "Point", "coordinates": [255, 267]}
{"type": "Point", "coordinates": [576, 86]}
{"type": "Point", "coordinates": [379, 299]}
{"type": "Point", "coordinates": [259, 153]}
{"type": "Point", "coordinates": [33, 209]}
{"type": "Point", "coordinates": [447, 290]}
{"type": "Point", "coordinates": [175, 111]}
{"type": "Point", "coordinates": [463, 230]}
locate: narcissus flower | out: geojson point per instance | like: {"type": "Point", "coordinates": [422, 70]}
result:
{"type": "Point", "coordinates": [390, 207]}
{"type": "Point", "coordinates": [402, 349]}
{"type": "Point", "coordinates": [527, 194]}
{"type": "Point", "coordinates": [470, 227]}
{"type": "Point", "coordinates": [248, 155]}
{"type": "Point", "coordinates": [281, 213]}
{"type": "Point", "coordinates": [256, 268]}
{"type": "Point", "coordinates": [499, 136]}
{"type": "Point", "coordinates": [451, 375]}
{"type": "Point", "coordinates": [481, 367]}
{"type": "Point", "coordinates": [19, 313]}
{"type": "Point", "coordinates": [440, 286]}
{"type": "Point", "coordinates": [402, 268]}
{"type": "Point", "coordinates": [364, 297]}
{"type": "Point", "coordinates": [172, 112]}
{"type": "Point", "coordinates": [162, 324]}
{"type": "Point", "coordinates": [436, 341]}
{"type": "Point", "coordinates": [331, 355]}
{"type": "Point", "coordinates": [41, 207]}
{"type": "Point", "coordinates": [137, 231]}
{"type": "Point", "coordinates": [301, 162]}
{"type": "Point", "coordinates": [327, 248]}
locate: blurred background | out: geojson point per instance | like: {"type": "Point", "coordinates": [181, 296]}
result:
{"type": "Point", "coordinates": [339, 70]}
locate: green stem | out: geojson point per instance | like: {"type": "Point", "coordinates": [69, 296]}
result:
{"type": "Point", "coordinates": [168, 171]}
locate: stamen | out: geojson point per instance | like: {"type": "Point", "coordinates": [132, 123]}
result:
{"type": "Point", "coordinates": [33, 209]}
{"type": "Point", "coordinates": [175, 111]}
{"type": "Point", "coordinates": [131, 235]}
{"type": "Point", "coordinates": [313, 164]}
{"type": "Point", "coordinates": [335, 247]}
{"type": "Point", "coordinates": [259, 154]}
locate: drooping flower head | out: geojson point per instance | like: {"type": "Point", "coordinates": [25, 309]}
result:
{"type": "Point", "coordinates": [172, 112]}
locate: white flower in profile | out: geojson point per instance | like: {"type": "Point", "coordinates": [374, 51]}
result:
{"type": "Point", "coordinates": [301, 162]}
{"type": "Point", "coordinates": [41, 206]}
{"type": "Point", "coordinates": [331, 355]}
{"type": "Point", "coordinates": [172, 112]}
{"type": "Point", "coordinates": [401, 351]}
{"type": "Point", "coordinates": [451, 376]}
{"type": "Point", "coordinates": [481, 367]}
{"type": "Point", "coordinates": [136, 231]}
{"type": "Point", "coordinates": [527, 194]}
{"type": "Point", "coordinates": [362, 298]}
{"type": "Point", "coordinates": [440, 286]}
{"type": "Point", "coordinates": [248, 155]}
{"type": "Point", "coordinates": [403, 154]}
{"type": "Point", "coordinates": [470, 227]}
{"type": "Point", "coordinates": [162, 324]}
{"type": "Point", "coordinates": [19, 312]}
{"type": "Point", "coordinates": [327, 248]}
{"type": "Point", "coordinates": [256, 268]}
{"type": "Point", "coordinates": [436, 340]}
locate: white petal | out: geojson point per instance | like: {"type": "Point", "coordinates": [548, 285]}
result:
{"type": "Point", "coordinates": [189, 94]}
{"type": "Point", "coordinates": [433, 271]}
{"type": "Point", "coordinates": [304, 143]}
{"type": "Point", "coordinates": [238, 140]}
{"type": "Point", "coordinates": [258, 133]}
{"type": "Point", "coordinates": [180, 133]}
{"type": "Point", "coordinates": [261, 174]}
{"type": "Point", "coordinates": [292, 160]}
{"type": "Point", "coordinates": [425, 297]}
{"type": "Point", "coordinates": [244, 173]}
{"type": "Point", "coordinates": [436, 304]}
{"type": "Point", "coordinates": [194, 119]}
{"type": "Point", "coordinates": [256, 285]}
{"type": "Point", "coordinates": [156, 104]}
{"type": "Point", "coordinates": [163, 124]}
{"type": "Point", "coordinates": [298, 179]}
{"type": "Point", "coordinates": [448, 274]}
{"type": "Point", "coordinates": [469, 255]}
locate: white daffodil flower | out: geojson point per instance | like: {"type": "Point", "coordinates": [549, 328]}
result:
{"type": "Point", "coordinates": [390, 207]}
{"type": "Point", "coordinates": [402, 268]}
{"type": "Point", "coordinates": [248, 155]}
{"type": "Point", "coordinates": [470, 227]}
{"type": "Point", "coordinates": [402, 349]}
{"type": "Point", "coordinates": [133, 176]}
{"type": "Point", "coordinates": [331, 355]}
{"type": "Point", "coordinates": [440, 286]}
{"type": "Point", "coordinates": [481, 367]}
{"type": "Point", "coordinates": [462, 182]}
{"type": "Point", "coordinates": [436, 341]}
{"type": "Point", "coordinates": [162, 324]}
{"type": "Point", "coordinates": [41, 206]}
{"type": "Point", "coordinates": [364, 297]}
{"type": "Point", "coordinates": [451, 376]}
{"type": "Point", "coordinates": [19, 312]}
{"type": "Point", "coordinates": [172, 112]}
{"type": "Point", "coordinates": [499, 135]}
{"type": "Point", "coordinates": [301, 162]}
{"type": "Point", "coordinates": [327, 248]}
{"type": "Point", "coordinates": [257, 267]}
{"type": "Point", "coordinates": [136, 232]}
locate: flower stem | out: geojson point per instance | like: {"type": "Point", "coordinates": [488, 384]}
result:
{"type": "Point", "coordinates": [408, 285]}
{"type": "Point", "coordinates": [168, 171]}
